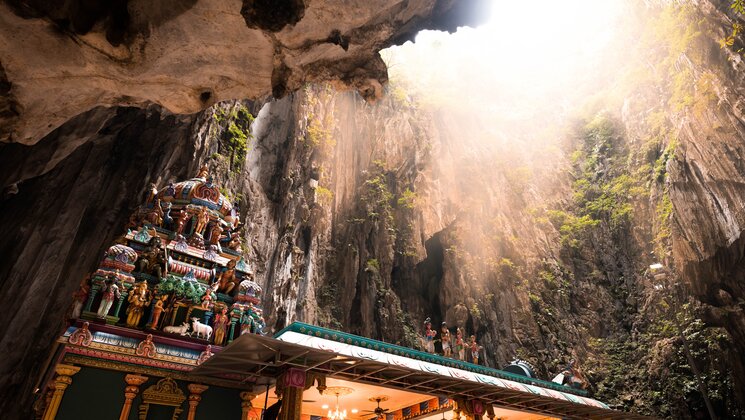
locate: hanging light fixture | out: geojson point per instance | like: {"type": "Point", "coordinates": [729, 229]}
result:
{"type": "Point", "coordinates": [337, 414]}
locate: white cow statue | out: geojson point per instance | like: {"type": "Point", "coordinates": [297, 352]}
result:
{"type": "Point", "coordinates": [181, 329]}
{"type": "Point", "coordinates": [200, 329]}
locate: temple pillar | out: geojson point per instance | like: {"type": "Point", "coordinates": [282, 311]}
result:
{"type": "Point", "coordinates": [232, 329]}
{"type": "Point", "coordinates": [130, 392]}
{"type": "Point", "coordinates": [490, 412]}
{"type": "Point", "coordinates": [122, 297]}
{"type": "Point", "coordinates": [246, 405]}
{"type": "Point", "coordinates": [293, 385]}
{"type": "Point", "coordinates": [195, 396]}
{"type": "Point", "coordinates": [95, 287]}
{"type": "Point", "coordinates": [61, 382]}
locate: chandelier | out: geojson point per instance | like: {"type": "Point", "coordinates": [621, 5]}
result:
{"type": "Point", "coordinates": [337, 414]}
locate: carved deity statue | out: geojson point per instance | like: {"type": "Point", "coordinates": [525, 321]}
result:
{"type": "Point", "coordinates": [138, 301]}
{"type": "Point", "coordinates": [109, 294]}
{"type": "Point", "coordinates": [157, 311]}
{"type": "Point", "coordinates": [154, 216]}
{"type": "Point", "coordinates": [207, 299]}
{"type": "Point", "coordinates": [474, 347]}
{"type": "Point", "coordinates": [183, 217]}
{"type": "Point", "coordinates": [152, 260]}
{"type": "Point", "coordinates": [201, 220]}
{"type": "Point", "coordinates": [167, 219]}
{"type": "Point", "coordinates": [221, 322]}
{"type": "Point", "coordinates": [429, 336]}
{"type": "Point", "coordinates": [226, 280]}
{"type": "Point", "coordinates": [460, 345]}
{"type": "Point", "coordinates": [215, 232]}
{"type": "Point", "coordinates": [80, 297]}
{"type": "Point", "coordinates": [234, 242]}
{"type": "Point", "coordinates": [203, 171]}
{"type": "Point", "coordinates": [151, 194]}
{"type": "Point", "coordinates": [445, 338]}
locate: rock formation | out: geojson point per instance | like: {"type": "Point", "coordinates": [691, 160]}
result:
{"type": "Point", "coordinates": [369, 217]}
{"type": "Point", "coordinates": [59, 61]}
{"type": "Point", "coordinates": [70, 76]}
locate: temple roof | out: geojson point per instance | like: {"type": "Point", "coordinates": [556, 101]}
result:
{"type": "Point", "coordinates": [197, 191]}
{"type": "Point", "coordinates": [300, 346]}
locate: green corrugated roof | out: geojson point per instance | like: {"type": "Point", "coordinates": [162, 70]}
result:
{"type": "Point", "coordinates": [355, 340]}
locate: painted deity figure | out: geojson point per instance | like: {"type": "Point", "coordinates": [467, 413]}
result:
{"type": "Point", "coordinates": [202, 218]}
{"type": "Point", "coordinates": [157, 311]}
{"type": "Point", "coordinates": [183, 217]}
{"type": "Point", "coordinates": [215, 233]}
{"type": "Point", "coordinates": [220, 323]}
{"type": "Point", "coordinates": [207, 299]}
{"type": "Point", "coordinates": [475, 348]}
{"type": "Point", "coordinates": [80, 297]}
{"type": "Point", "coordinates": [429, 336]}
{"type": "Point", "coordinates": [155, 215]}
{"type": "Point", "coordinates": [109, 294]}
{"type": "Point", "coordinates": [246, 321]}
{"type": "Point", "coordinates": [152, 260]}
{"type": "Point", "coordinates": [138, 300]}
{"type": "Point", "coordinates": [167, 218]}
{"type": "Point", "coordinates": [445, 338]}
{"type": "Point", "coordinates": [203, 171]}
{"type": "Point", "coordinates": [234, 241]}
{"type": "Point", "coordinates": [169, 192]}
{"type": "Point", "coordinates": [151, 194]}
{"type": "Point", "coordinates": [259, 323]}
{"type": "Point", "coordinates": [460, 345]}
{"type": "Point", "coordinates": [226, 280]}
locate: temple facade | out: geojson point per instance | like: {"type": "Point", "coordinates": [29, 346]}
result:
{"type": "Point", "coordinates": [170, 326]}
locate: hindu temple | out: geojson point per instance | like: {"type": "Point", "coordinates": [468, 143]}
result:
{"type": "Point", "coordinates": [170, 326]}
{"type": "Point", "coordinates": [372, 210]}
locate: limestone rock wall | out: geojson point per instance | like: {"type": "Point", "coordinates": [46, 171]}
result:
{"type": "Point", "coordinates": [59, 60]}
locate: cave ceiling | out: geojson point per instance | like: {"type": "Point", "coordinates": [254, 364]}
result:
{"type": "Point", "coordinates": [60, 60]}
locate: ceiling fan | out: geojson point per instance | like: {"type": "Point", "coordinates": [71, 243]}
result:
{"type": "Point", "coordinates": [378, 411]}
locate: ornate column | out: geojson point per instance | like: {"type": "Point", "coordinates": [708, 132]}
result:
{"type": "Point", "coordinates": [95, 287]}
{"type": "Point", "coordinates": [61, 382]}
{"type": "Point", "coordinates": [293, 385]}
{"type": "Point", "coordinates": [194, 397]}
{"type": "Point", "coordinates": [130, 392]}
{"type": "Point", "coordinates": [122, 297]}
{"type": "Point", "coordinates": [246, 405]}
{"type": "Point", "coordinates": [490, 412]}
{"type": "Point", "coordinates": [232, 329]}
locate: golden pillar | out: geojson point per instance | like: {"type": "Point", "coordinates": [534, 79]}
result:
{"type": "Point", "coordinates": [490, 412]}
{"type": "Point", "coordinates": [130, 392]}
{"type": "Point", "coordinates": [292, 385]}
{"type": "Point", "coordinates": [246, 405]}
{"type": "Point", "coordinates": [195, 395]}
{"type": "Point", "coordinates": [456, 413]}
{"type": "Point", "coordinates": [61, 382]}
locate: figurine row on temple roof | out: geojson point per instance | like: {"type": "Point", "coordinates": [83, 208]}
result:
{"type": "Point", "coordinates": [457, 347]}
{"type": "Point", "coordinates": [178, 268]}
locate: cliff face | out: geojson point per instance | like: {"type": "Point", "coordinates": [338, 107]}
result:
{"type": "Point", "coordinates": [371, 217]}
{"type": "Point", "coordinates": [70, 77]}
